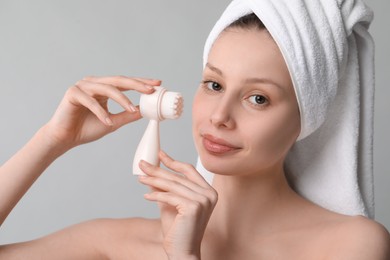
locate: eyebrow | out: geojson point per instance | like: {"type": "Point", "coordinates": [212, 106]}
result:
{"type": "Point", "coordinates": [248, 80]}
{"type": "Point", "coordinates": [215, 69]}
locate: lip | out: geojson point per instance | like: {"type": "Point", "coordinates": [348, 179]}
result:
{"type": "Point", "coordinates": [217, 145]}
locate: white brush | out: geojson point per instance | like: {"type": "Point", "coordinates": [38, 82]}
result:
{"type": "Point", "coordinates": [159, 105]}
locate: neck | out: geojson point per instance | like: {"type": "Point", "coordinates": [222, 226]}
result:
{"type": "Point", "coordinates": [246, 203]}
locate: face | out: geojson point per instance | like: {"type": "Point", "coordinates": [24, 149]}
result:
{"type": "Point", "coordinates": [245, 113]}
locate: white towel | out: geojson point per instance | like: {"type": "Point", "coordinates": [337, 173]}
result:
{"type": "Point", "coordinates": [330, 56]}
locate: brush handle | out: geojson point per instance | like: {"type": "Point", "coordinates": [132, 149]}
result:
{"type": "Point", "coordinates": [148, 148]}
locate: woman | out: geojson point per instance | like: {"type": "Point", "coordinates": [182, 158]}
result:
{"type": "Point", "coordinates": [246, 118]}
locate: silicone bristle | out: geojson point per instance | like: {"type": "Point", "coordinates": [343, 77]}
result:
{"type": "Point", "coordinates": [171, 105]}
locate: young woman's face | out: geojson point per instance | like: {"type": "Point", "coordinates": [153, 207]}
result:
{"type": "Point", "coordinates": [245, 113]}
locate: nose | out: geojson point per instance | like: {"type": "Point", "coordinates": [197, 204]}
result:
{"type": "Point", "coordinates": [222, 114]}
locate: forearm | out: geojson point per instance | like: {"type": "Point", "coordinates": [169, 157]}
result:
{"type": "Point", "coordinates": [20, 171]}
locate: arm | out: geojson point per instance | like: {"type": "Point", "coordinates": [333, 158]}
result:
{"type": "Point", "coordinates": [20, 172]}
{"type": "Point", "coordinates": [81, 117]}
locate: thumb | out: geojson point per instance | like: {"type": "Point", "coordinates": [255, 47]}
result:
{"type": "Point", "coordinates": [124, 118]}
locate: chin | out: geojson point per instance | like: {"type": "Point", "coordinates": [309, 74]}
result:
{"type": "Point", "coordinates": [219, 166]}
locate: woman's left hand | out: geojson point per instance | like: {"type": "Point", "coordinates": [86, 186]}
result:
{"type": "Point", "coordinates": [186, 202]}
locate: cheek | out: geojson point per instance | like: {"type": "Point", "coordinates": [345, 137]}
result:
{"type": "Point", "coordinates": [196, 110]}
{"type": "Point", "coordinates": [275, 133]}
{"type": "Point", "coordinates": [199, 113]}
{"type": "Point", "coordinates": [287, 129]}
{"type": "Point", "coordinates": [290, 126]}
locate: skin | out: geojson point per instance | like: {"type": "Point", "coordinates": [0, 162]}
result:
{"type": "Point", "coordinates": [243, 127]}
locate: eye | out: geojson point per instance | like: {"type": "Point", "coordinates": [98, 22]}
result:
{"type": "Point", "coordinates": [212, 86]}
{"type": "Point", "coordinates": [258, 100]}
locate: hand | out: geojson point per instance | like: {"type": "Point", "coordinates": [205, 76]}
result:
{"type": "Point", "coordinates": [186, 202]}
{"type": "Point", "coordinates": [83, 115]}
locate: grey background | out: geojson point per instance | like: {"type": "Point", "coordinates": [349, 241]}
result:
{"type": "Point", "coordinates": [46, 46]}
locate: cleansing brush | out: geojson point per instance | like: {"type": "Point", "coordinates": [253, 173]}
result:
{"type": "Point", "coordinates": [159, 105]}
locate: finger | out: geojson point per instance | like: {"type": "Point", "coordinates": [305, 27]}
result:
{"type": "Point", "coordinates": [193, 179]}
{"type": "Point", "coordinates": [186, 169]}
{"type": "Point", "coordinates": [168, 198]}
{"type": "Point", "coordinates": [152, 82]}
{"type": "Point", "coordinates": [206, 197]}
{"type": "Point", "coordinates": [78, 97]}
{"type": "Point", "coordinates": [126, 83]}
{"type": "Point", "coordinates": [184, 205]}
{"type": "Point", "coordinates": [124, 118]}
{"type": "Point", "coordinates": [119, 79]}
{"type": "Point", "coordinates": [156, 171]}
{"type": "Point", "coordinates": [171, 178]}
{"type": "Point", "coordinates": [102, 90]}
{"type": "Point", "coordinates": [163, 180]}
{"type": "Point", "coordinates": [166, 185]}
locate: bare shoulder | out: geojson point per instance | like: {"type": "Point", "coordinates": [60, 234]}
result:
{"type": "Point", "coordinates": [129, 226]}
{"type": "Point", "coordinates": [131, 238]}
{"type": "Point", "coordinates": [96, 239]}
{"type": "Point", "coordinates": [360, 238]}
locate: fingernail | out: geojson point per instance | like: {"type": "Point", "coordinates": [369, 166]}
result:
{"type": "Point", "coordinates": [162, 153]}
{"type": "Point", "coordinates": [132, 108]}
{"type": "Point", "coordinates": [142, 177]}
{"type": "Point", "coordinates": [143, 163]}
{"type": "Point", "coordinates": [149, 87]}
{"type": "Point", "coordinates": [109, 121]}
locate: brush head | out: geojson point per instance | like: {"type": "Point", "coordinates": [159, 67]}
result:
{"type": "Point", "coordinates": [161, 104]}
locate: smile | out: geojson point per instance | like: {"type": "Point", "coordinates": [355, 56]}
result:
{"type": "Point", "coordinates": [217, 145]}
